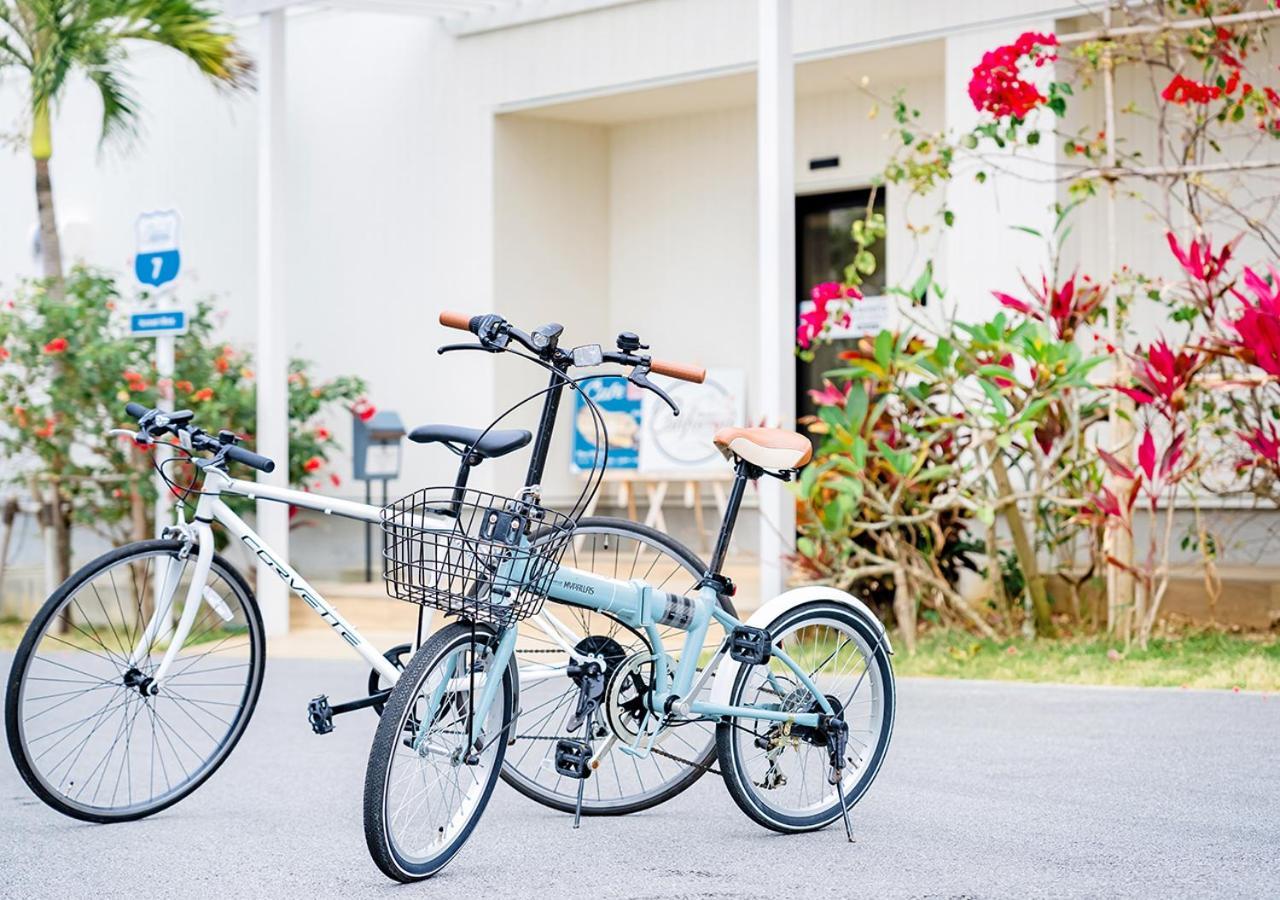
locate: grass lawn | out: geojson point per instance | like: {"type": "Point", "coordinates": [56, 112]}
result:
{"type": "Point", "coordinates": [1208, 659]}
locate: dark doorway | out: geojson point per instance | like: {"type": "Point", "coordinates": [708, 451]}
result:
{"type": "Point", "coordinates": [824, 246]}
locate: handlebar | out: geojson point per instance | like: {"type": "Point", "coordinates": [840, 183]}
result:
{"type": "Point", "coordinates": [153, 422]}
{"type": "Point", "coordinates": [502, 330]}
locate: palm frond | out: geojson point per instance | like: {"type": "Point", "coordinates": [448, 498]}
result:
{"type": "Point", "coordinates": [191, 28]}
{"type": "Point", "coordinates": [119, 108]}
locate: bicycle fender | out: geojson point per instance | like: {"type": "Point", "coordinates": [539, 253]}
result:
{"type": "Point", "coordinates": [785, 602]}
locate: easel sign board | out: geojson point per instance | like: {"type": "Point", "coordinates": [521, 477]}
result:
{"type": "Point", "coordinates": [620, 406]}
{"type": "Point", "coordinates": [683, 444]}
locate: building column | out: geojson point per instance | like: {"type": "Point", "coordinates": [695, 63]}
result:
{"type": "Point", "coordinates": [272, 357]}
{"type": "Point", "coordinates": [983, 252]}
{"type": "Point", "coordinates": [775, 123]}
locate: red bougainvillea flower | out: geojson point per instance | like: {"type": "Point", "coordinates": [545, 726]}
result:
{"type": "Point", "coordinates": [1266, 444]}
{"type": "Point", "coordinates": [322, 434]}
{"type": "Point", "coordinates": [1163, 377]}
{"type": "Point", "coordinates": [1183, 90]}
{"type": "Point", "coordinates": [814, 320]}
{"type": "Point", "coordinates": [334, 479]}
{"type": "Point", "coordinates": [222, 364]}
{"type": "Point", "coordinates": [20, 416]}
{"type": "Point", "coordinates": [997, 85]}
{"type": "Point", "coordinates": [135, 381]}
{"type": "Point", "coordinates": [1198, 259]}
{"type": "Point", "coordinates": [4, 354]}
{"type": "Point", "coordinates": [185, 386]}
{"type": "Point", "coordinates": [46, 431]}
{"type": "Point", "coordinates": [1259, 324]}
{"type": "Point", "coordinates": [1066, 308]}
{"type": "Point", "coordinates": [312, 464]}
{"type": "Point", "coordinates": [203, 394]}
{"type": "Point", "coordinates": [55, 346]}
{"type": "Point", "coordinates": [364, 410]}
{"type": "Point", "coordinates": [830, 395]}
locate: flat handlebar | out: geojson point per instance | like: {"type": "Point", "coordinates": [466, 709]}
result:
{"type": "Point", "coordinates": [152, 420]}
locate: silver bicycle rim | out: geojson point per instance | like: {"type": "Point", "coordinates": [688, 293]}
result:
{"type": "Point", "coordinates": [103, 747]}
{"type": "Point", "coordinates": [839, 661]}
{"type": "Point", "coordinates": [547, 702]}
{"type": "Point", "coordinates": [431, 794]}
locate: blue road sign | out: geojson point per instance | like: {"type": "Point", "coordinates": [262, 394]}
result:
{"type": "Point", "coordinates": [158, 260]}
{"type": "Point", "coordinates": [156, 323]}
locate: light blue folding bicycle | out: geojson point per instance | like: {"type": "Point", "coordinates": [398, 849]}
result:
{"type": "Point", "coordinates": [801, 695]}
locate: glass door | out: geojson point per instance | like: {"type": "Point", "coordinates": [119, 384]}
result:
{"type": "Point", "coordinates": [824, 246]}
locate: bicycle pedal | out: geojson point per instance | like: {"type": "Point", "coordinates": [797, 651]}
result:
{"type": "Point", "coordinates": [573, 758]}
{"type": "Point", "coordinates": [320, 715]}
{"type": "Point", "coordinates": [750, 645]}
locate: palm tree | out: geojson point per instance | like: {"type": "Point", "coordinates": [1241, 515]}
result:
{"type": "Point", "coordinates": [51, 39]}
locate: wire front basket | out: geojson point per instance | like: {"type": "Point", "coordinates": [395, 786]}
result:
{"type": "Point", "coordinates": [473, 554]}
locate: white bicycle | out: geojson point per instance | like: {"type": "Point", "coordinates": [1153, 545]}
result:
{"type": "Point", "coordinates": [138, 676]}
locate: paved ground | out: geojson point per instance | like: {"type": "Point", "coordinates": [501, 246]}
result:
{"type": "Point", "coordinates": [989, 791]}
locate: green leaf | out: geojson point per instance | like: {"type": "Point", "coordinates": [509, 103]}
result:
{"type": "Point", "coordinates": [855, 406]}
{"type": "Point", "coordinates": [884, 348]}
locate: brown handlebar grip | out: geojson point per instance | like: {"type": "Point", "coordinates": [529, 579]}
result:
{"type": "Point", "coordinates": [683, 371]}
{"type": "Point", "coordinates": [451, 319]}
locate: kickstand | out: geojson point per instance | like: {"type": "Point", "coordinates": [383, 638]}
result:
{"type": "Point", "coordinates": [582, 782]}
{"type": "Point", "coordinates": [844, 810]}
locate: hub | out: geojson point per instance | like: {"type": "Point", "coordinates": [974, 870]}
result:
{"type": "Point", "coordinates": [143, 684]}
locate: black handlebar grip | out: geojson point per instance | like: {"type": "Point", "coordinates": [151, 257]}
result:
{"type": "Point", "coordinates": [251, 459]}
{"type": "Point", "coordinates": [136, 410]}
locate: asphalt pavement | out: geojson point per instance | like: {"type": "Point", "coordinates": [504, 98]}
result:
{"type": "Point", "coordinates": [989, 790]}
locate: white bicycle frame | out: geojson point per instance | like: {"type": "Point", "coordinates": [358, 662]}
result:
{"type": "Point", "coordinates": [210, 508]}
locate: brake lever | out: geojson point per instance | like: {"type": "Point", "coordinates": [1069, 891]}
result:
{"type": "Point", "coordinates": [449, 348]}
{"type": "Point", "coordinates": [640, 378]}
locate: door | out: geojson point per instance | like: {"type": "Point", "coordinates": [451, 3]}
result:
{"type": "Point", "coordinates": [824, 246]}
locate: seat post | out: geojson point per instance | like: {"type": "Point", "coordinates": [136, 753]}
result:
{"type": "Point", "coordinates": [469, 458]}
{"type": "Point", "coordinates": [743, 473]}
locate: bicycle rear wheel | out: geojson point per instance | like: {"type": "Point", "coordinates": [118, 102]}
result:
{"type": "Point", "coordinates": [620, 549]}
{"type": "Point", "coordinates": [86, 734]}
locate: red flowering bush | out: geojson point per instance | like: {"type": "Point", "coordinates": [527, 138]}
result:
{"type": "Point", "coordinates": [1258, 327]}
{"type": "Point", "coordinates": [66, 373]}
{"type": "Point", "coordinates": [998, 85]}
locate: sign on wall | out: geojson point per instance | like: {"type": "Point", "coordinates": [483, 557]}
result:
{"type": "Point", "coordinates": [620, 405]}
{"type": "Point", "coordinates": [670, 443]}
{"type": "Point", "coordinates": [643, 433]}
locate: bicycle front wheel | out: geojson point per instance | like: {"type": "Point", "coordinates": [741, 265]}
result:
{"type": "Point", "coordinates": [87, 734]}
{"type": "Point", "coordinates": [427, 783]}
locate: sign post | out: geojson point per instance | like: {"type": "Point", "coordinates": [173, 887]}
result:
{"type": "Point", "coordinates": [156, 265]}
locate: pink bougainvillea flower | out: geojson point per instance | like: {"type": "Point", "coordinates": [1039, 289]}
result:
{"type": "Point", "coordinates": [323, 434]}
{"type": "Point", "coordinates": [1182, 90]}
{"type": "Point", "coordinates": [1259, 324]}
{"type": "Point", "coordinates": [1198, 259]}
{"type": "Point", "coordinates": [814, 321]}
{"type": "Point", "coordinates": [334, 479]}
{"type": "Point", "coordinates": [55, 346]}
{"type": "Point", "coordinates": [998, 86]}
{"type": "Point", "coordinates": [830, 395]}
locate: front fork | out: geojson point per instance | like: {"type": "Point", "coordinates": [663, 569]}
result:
{"type": "Point", "coordinates": [202, 538]}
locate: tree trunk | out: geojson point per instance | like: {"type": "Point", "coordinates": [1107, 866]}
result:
{"type": "Point", "coordinates": [1025, 551]}
{"type": "Point", "coordinates": [41, 151]}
